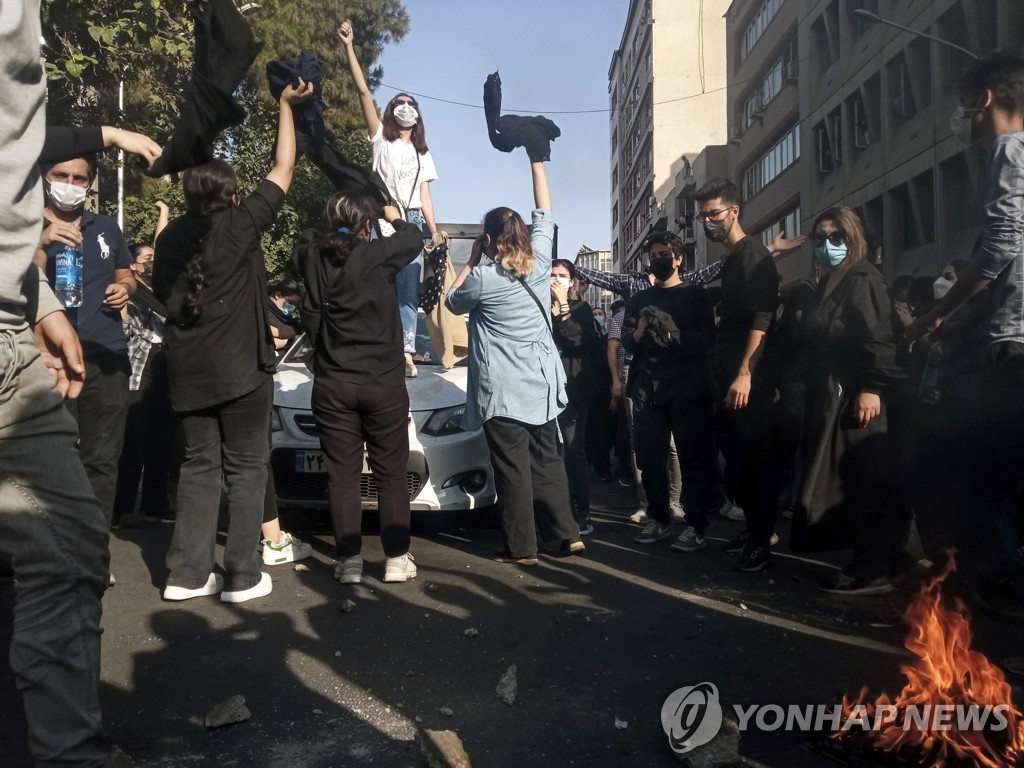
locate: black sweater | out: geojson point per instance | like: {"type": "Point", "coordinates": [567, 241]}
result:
{"type": "Point", "coordinates": [350, 308]}
{"type": "Point", "coordinates": [749, 299]}
{"type": "Point", "coordinates": [576, 339]}
{"type": "Point", "coordinates": [672, 365]}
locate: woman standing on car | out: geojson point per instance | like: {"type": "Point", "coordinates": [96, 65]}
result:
{"type": "Point", "coordinates": [516, 383]}
{"type": "Point", "coordinates": [401, 157]}
{"type": "Point", "coordinates": [350, 312]}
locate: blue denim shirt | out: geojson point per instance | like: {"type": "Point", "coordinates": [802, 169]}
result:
{"type": "Point", "coordinates": [1000, 252]}
{"type": "Point", "coordinates": [514, 368]}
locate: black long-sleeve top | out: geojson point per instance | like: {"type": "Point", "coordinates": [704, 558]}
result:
{"type": "Point", "coordinates": [852, 337]}
{"type": "Point", "coordinates": [576, 339]}
{"type": "Point", "coordinates": [749, 300]}
{"type": "Point", "coordinates": [677, 366]}
{"type": "Point", "coordinates": [63, 142]}
{"type": "Point", "coordinates": [350, 309]}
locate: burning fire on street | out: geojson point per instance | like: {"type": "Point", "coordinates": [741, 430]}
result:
{"type": "Point", "coordinates": [955, 710]}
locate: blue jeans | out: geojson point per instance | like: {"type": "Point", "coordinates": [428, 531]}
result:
{"type": "Point", "coordinates": [55, 536]}
{"type": "Point", "coordinates": [408, 286]}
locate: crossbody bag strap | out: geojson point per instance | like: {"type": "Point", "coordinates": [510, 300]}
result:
{"type": "Point", "coordinates": [415, 182]}
{"type": "Point", "coordinates": [545, 312]}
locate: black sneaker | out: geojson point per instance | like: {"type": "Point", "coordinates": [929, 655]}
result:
{"type": "Point", "coordinates": [753, 559]}
{"type": "Point", "coordinates": [586, 525]}
{"type": "Point", "coordinates": [841, 584]}
{"type": "Point", "coordinates": [736, 545]}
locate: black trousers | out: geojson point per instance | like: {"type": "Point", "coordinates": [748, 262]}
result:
{"type": "Point", "coordinates": [149, 435]}
{"type": "Point", "coordinates": [600, 433]}
{"type": "Point", "coordinates": [347, 416]}
{"type": "Point", "coordinates": [690, 423]}
{"type": "Point", "coordinates": [747, 442]}
{"type": "Point", "coordinates": [228, 439]}
{"type": "Point", "coordinates": [530, 480]}
{"type": "Point", "coordinates": [101, 411]}
{"type": "Point", "coordinates": [573, 423]}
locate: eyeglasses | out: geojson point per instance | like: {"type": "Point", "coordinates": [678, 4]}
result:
{"type": "Point", "coordinates": [709, 215]}
{"type": "Point", "coordinates": [410, 102]}
{"type": "Point", "coordinates": [836, 238]}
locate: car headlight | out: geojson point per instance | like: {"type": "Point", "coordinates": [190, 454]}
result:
{"type": "Point", "coordinates": [446, 421]}
{"type": "Point", "coordinates": [275, 420]}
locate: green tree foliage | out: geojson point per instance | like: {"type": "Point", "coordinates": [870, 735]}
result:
{"type": "Point", "coordinates": [91, 46]}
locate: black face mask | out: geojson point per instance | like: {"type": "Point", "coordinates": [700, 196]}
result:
{"type": "Point", "coordinates": [662, 268]}
{"type": "Point", "coordinates": [147, 269]}
{"type": "Point", "coordinates": [716, 231]}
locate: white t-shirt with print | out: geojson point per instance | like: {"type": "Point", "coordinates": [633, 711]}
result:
{"type": "Point", "coordinates": [395, 161]}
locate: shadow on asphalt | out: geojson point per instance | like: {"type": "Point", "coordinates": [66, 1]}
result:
{"type": "Point", "coordinates": [597, 640]}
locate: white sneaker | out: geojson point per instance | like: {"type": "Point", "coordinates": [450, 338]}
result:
{"type": "Point", "coordinates": [640, 517]}
{"type": "Point", "coordinates": [290, 551]}
{"type": "Point", "coordinates": [213, 585]}
{"type": "Point", "coordinates": [410, 367]}
{"type": "Point", "coordinates": [400, 568]}
{"type": "Point", "coordinates": [731, 511]}
{"type": "Point", "coordinates": [678, 514]}
{"type": "Point", "coordinates": [350, 570]}
{"type": "Point", "coordinates": [264, 587]}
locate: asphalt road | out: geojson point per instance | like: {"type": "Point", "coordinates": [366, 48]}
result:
{"type": "Point", "coordinates": [598, 641]}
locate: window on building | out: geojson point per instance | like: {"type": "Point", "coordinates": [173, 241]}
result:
{"type": "Point", "coordinates": [861, 135]}
{"type": "Point", "coordinates": [900, 91]}
{"type": "Point", "coordinates": [773, 162]}
{"type": "Point", "coordinates": [823, 149]}
{"type": "Point", "coordinates": [757, 26]}
{"type": "Point", "coordinates": [790, 224]}
{"type": "Point", "coordinates": [961, 184]}
{"type": "Point", "coordinates": [905, 234]}
{"type": "Point", "coordinates": [872, 214]}
{"type": "Point", "coordinates": [825, 32]}
{"type": "Point", "coordinates": [922, 195]}
{"type": "Point", "coordinates": [859, 24]}
{"type": "Point", "coordinates": [615, 214]}
{"type": "Point", "coordinates": [834, 123]}
{"type": "Point", "coordinates": [919, 66]}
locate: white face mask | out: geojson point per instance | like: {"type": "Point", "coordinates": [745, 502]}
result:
{"type": "Point", "coordinates": [563, 281]}
{"type": "Point", "coordinates": [406, 115]}
{"type": "Point", "coordinates": [941, 287]}
{"type": "Point", "coordinates": [67, 197]}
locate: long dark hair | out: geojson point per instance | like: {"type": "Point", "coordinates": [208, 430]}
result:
{"type": "Point", "coordinates": [510, 235]}
{"type": "Point", "coordinates": [351, 212]}
{"type": "Point", "coordinates": [208, 189]}
{"type": "Point", "coordinates": [392, 130]}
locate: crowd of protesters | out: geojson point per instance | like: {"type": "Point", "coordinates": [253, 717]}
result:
{"type": "Point", "coordinates": [887, 420]}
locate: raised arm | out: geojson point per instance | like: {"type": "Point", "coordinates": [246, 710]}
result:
{"type": "Point", "coordinates": [346, 36]}
{"type": "Point", "coordinates": [541, 193]}
{"type": "Point", "coordinates": [284, 158]}
{"type": "Point", "coordinates": [164, 217]}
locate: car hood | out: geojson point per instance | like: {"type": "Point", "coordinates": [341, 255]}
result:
{"type": "Point", "coordinates": [433, 389]}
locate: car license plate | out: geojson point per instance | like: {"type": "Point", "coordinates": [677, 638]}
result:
{"type": "Point", "coordinates": [309, 463]}
{"type": "Point", "coordinates": [312, 463]}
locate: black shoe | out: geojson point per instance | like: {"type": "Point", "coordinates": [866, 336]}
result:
{"type": "Point", "coordinates": [586, 525]}
{"type": "Point", "coordinates": [753, 559]}
{"type": "Point", "coordinates": [736, 545]}
{"type": "Point", "coordinates": [841, 584]}
{"type": "Point", "coordinates": [627, 481]}
{"type": "Point", "coordinates": [1001, 601]}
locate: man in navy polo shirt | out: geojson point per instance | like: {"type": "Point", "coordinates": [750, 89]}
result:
{"type": "Point", "coordinates": [108, 283]}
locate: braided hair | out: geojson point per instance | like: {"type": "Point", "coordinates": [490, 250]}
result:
{"type": "Point", "coordinates": [208, 189]}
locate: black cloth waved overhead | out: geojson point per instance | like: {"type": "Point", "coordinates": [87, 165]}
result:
{"type": "Point", "coordinates": [309, 115]}
{"type": "Point", "coordinates": [510, 131]}
{"type": "Point", "coordinates": [225, 49]}
{"type": "Point", "coordinates": [310, 136]}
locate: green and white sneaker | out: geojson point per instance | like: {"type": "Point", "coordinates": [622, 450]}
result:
{"type": "Point", "coordinates": [288, 550]}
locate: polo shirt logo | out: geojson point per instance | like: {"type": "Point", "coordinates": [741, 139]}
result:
{"type": "Point", "coordinates": [104, 248]}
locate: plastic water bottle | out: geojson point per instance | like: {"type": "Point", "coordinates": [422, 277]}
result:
{"type": "Point", "coordinates": [68, 285]}
{"type": "Point", "coordinates": [930, 391]}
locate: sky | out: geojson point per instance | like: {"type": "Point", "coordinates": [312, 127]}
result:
{"type": "Point", "coordinates": [552, 55]}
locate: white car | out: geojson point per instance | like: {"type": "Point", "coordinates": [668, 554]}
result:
{"type": "Point", "coordinates": [449, 468]}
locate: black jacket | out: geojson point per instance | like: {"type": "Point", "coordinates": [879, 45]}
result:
{"type": "Point", "coordinates": [350, 309]}
{"type": "Point", "coordinates": [670, 361]}
{"type": "Point", "coordinates": [576, 338]}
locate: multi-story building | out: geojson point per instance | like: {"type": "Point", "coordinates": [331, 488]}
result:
{"type": "Point", "coordinates": [600, 260]}
{"type": "Point", "coordinates": [765, 68]}
{"type": "Point", "coordinates": [876, 135]}
{"type": "Point", "coordinates": [666, 90]}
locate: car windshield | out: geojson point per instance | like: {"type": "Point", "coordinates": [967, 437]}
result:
{"type": "Point", "coordinates": [302, 350]}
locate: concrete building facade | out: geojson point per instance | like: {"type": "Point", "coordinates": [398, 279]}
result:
{"type": "Point", "coordinates": [667, 99]}
{"type": "Point", "coordinates": [600, 260]}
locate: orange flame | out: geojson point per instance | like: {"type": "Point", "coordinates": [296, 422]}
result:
{"type": "Point", "coordinates": [945, 672]}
